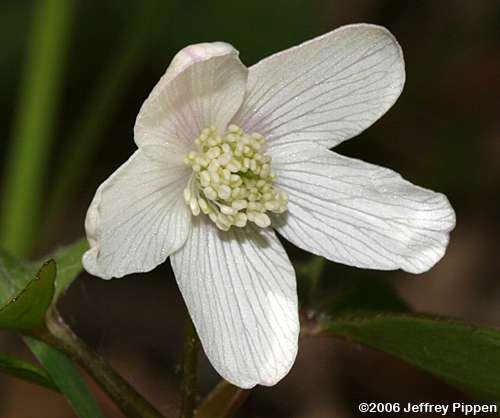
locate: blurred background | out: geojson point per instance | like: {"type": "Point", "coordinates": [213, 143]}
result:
{"type": "Point", "coordinates": [443, 133]}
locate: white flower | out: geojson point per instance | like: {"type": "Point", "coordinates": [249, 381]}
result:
{"type": "Point", "coordinates": [226, 155]}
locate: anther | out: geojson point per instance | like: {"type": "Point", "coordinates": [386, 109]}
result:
{"type": "Point", "coordinates": [232, 180]}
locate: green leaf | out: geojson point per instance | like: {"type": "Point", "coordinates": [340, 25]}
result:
{"type": "Point", "coordinates": [16, 274]}
{"type": "Point", "coordinates": [222, 402]}
{"type": "Point", "coordinates": [464, 355]}
{"type": "Point", "coordinates": [26, 371]}
{"type": "Point", "coordinates": [65, 375]}
{"type": "Point", "coordinates": [27, 295]}
{"type": "Point", "coordinates": [26, 310]}
{"type": "Point", "coordinates": [69, 265]}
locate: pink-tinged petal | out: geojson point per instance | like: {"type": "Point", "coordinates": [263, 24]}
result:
{"type": "Point", "coordinates": [360, 214]}
{"type": "Point", "coordinates": [137, 217]}
{"type": "Point", "coordinates": [239, 287]}
{"type": "Point", "coordinates": [191, 55]}
{"type": "Point", "coordinates": [326, 90]}
{"type": "Point", "coordinates": [204, 86]}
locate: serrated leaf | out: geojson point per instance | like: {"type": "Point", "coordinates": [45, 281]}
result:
{"type": "Point", "coordinates": [26, 310]}
{"type": "Point", "coordinates": [26, 371]}
{"type": "Point", "coordinates": [464, 355]}
{"type": "Point", "coordinates": [65, 375]}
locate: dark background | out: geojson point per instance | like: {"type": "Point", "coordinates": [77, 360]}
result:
{"type": "Point", "coordinates": [443, 133]}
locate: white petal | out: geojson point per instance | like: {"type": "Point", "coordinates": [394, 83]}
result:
{"type": "Point", "coordinates": [204, 86]}
{"type": "Point", "coordinates": [189, 56]}
{"type": "Point", "coordinates": [137, 218]}
{"type": "Point", "coordinates": [239, 287]}
{"type": "Point", "coordinates": [360, 214]}
{"type": "Point", "coordinates": [326, 90]}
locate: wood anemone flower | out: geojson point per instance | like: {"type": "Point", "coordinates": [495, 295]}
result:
{"type": "Point", "coordinates": [227, 155]}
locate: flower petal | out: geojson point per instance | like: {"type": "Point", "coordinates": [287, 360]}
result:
{"type": "Point", "coordinates": [239, 287]}
{"type": "Point", "coordinates": [138, 217]}
{"type": "Point", "coordinates": [360, 214]}
{"type": "Point", "coordinates": [326, 90]}
{"type": "Point", "coordinates": [204, 86]}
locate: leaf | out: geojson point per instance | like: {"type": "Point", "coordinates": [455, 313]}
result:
{"type": "Point", "coordinates": [69, 265]}
{"type": "Point", "coordinates": [222, 402]}
{"type": "Point", "coordinates": [27, 295]}
{"type": "Point", "coordinates": [15, 274]}
{"type": "Point", "coordinates": [464, 355]}
{"type": "Point", "coordinates": [26, 371]}
{"type": "Point", "coordinates": [26, 310]}
{"type": "Point", "coordinates": [65, 375]}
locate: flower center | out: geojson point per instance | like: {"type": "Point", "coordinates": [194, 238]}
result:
{"type": "Point", "coordinates": [232, 180]}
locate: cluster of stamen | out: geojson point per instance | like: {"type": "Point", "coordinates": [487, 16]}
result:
{"type": "Point", "coordinates": [232, 180]}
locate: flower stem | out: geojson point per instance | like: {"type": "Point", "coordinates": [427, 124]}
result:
{"type": "Point", "coordinates": [223, 401]}
{"type": "Point", "coordinates": [188, 385]}
{"type": "Point", "coordinates": [130, 402]}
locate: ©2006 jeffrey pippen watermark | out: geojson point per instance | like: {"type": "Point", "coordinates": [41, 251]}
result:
{"type": "Point", "coordinates": [426, 407]}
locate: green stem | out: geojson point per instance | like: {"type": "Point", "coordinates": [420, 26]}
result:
{"type": "Point", "coordinates": [316, 267]}
{"type": "Point", "coordinates": [223, 401]}
{"type": "Point", "coordinates": [33, 126]}
{"type": "Point", "coordinates": [188, 386]}
{"type": "Point", "coordinates": [130, 402]}
{"type": "Point", "coordinates": [309, 274]}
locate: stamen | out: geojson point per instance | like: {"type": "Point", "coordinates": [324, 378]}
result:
{"type": "Point", "coordinates": [232, 180]}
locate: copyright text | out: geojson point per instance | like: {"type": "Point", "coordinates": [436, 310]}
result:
{"type": "Point", "coordinates": [426, 407]}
